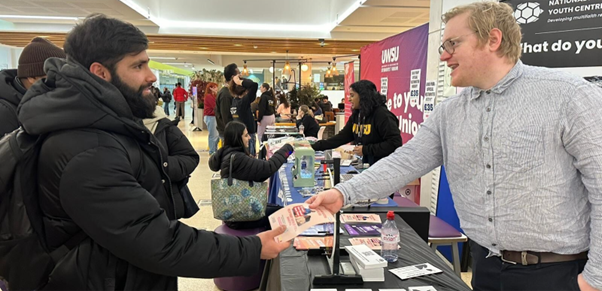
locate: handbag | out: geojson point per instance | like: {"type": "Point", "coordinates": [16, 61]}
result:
{"type": "Point", "coordinates": [237, 200]}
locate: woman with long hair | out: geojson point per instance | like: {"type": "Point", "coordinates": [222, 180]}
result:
{"type": "Point", "coordinates": [284, 109]}
{"type": "Point", "coordinates": [209, 116]}
{"type": "Point", "coordinates": [306, 118]}
{"type": "Point", "coordinates": [244, 166]}
{"type": "Point", "coordinates": [266, 109]}
{"type": "Point", "coordinates": [372, 127]}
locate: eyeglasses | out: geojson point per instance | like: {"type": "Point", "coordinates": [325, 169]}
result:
{"type": "Point", "coordinates": [450, 45]}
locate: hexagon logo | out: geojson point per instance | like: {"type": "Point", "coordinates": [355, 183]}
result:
{"type": "Point", "coordinates": [527, 12]}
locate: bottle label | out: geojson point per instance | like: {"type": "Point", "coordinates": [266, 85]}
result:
{"type": "Point", "coordinates": [390, 237]}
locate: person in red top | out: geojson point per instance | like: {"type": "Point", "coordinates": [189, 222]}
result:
{"type": "Point", "coordinates": [180, 96]}
{"type": "Point", "coordinates": [209, 116]}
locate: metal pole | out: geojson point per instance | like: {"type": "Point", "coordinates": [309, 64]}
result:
{"type": "Point", "coordinates": [274, 74]}
{"type": "Point", "coordinates": [300, 75]}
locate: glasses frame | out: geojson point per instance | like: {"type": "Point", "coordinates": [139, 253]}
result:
{"type": "Point", "coordinates": [452, 46]}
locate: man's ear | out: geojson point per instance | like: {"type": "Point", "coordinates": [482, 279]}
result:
{"type": "Point", "coordinates": [495, 39]}
{"type": "Point", "coordinates": [101, 71]}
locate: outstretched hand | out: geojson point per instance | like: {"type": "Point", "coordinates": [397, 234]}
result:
{"type": "Point", "coordinates": [331, 199]}
{"type": "Point", "coordinates": [269, 247]}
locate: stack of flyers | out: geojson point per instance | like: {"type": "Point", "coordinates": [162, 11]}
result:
{"type": "Point", "coordinates": [363, 229]}
{"type": "Point", "coordinates": [359, 217]}
{"type": "Point", "coordinates": [374, 243]}
{"type": "Point", "coordinates": [311, 243]}
{"type": "Point", "coordinates": [415, 271]}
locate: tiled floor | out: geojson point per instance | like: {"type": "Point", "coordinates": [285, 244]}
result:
{"type": "Point", "coordinates": [199, 186]}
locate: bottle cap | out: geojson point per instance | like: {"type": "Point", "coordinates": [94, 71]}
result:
{"type": "Point", "coordinates": [390, 215]}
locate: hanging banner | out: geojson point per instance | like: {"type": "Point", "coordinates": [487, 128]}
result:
{"type": "Point", "coordinates": [397, 66]}
{"type": "Point", "coordinates": [560, 33]}
{"type": "Point", "coordinates": [349, 79]}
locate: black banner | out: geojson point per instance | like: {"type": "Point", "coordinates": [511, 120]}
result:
{"type": "Point", "coordinates": [560, 33]}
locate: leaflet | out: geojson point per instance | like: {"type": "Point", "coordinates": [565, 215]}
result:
{"type": "Point", "coordinates": [360, 217]}
{"type": "Point", "coordinates": [363, 229]}
{"type": "Point", "coordinates": [298, 218]}
{"type": "Point", "coordinates": [312, 243]}
{"type": "Point", "coordinates": [374, 243]}
{"type": "Point", "coordinates": [415, 271]}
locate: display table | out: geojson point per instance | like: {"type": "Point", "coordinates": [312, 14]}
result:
{"type": "Point", "coordinates": [295, 196]}
{"type": "Point", "coordinates": [328, 132]}
{"type": "Point", "coordinates": [294, 270]}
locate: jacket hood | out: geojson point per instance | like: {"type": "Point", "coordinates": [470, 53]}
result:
{"type": "Point", "coordinates": [9, 89]}
{"type": "Point", "coordinates": [72, 97]}
{"type": "Point", "coordinates": [151, 123]}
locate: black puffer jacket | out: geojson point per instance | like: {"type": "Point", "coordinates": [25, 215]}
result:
{"type": "Point", "coordinates": [11, 93]}
{"type": "Point", "coordinates": [245, 167]}
{"type": "Point", "coordinates": [102, 172]}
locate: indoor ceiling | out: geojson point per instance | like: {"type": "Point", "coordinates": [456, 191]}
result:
{"type": "Point", "coordinates": [193, 31]}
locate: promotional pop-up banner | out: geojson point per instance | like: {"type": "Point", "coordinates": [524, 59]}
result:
{"type": "Point", "coordinates": [560, 33]}
{"type": "Point", "coordinates": [397, 66]}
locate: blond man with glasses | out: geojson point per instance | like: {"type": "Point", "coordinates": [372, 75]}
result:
{"type": "Point", "coordinates": [522, 148]}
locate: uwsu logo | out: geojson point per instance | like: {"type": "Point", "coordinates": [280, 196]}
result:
{"type": "Point", "coordinates": [527, 12]}
{"type": "Point", "coordinates": [390, 55]}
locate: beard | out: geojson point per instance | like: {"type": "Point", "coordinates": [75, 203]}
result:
{"type": "Point", "coordinates": [142, 106]}
{"type": "Point", "coordinates": [236, 90]}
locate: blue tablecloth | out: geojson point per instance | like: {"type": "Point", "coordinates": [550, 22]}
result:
{"type": "Point", "coordinates": [275, 187]}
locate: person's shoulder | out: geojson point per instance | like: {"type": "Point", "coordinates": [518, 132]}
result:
{"type": "Point", "coordinates": [552, 77]}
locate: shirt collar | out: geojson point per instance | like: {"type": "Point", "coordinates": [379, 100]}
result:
{"type": "Point", "coordinates": [503, 84]}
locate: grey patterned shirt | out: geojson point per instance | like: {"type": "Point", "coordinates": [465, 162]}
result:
{"type": "Point", "coordinates": [523, 161]}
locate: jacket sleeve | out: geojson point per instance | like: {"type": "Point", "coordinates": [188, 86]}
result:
{"type": "Point", "coordinates": [250, 169]}
{"type": "Point", "coordinates": [388, 131]}
{"type": "Point", "coordinates": [251, 91]}
{"type": "Point", "coordinates": [262, 107]}
{"type": "Point", "coordinates": [136, 229]}
{"type": "Point", "coordinates": [215, 161]}
{"type": "Point", "coordinates": [224, 107]}
{"type": "Point", "coordinates": [182, 157]}
{"type": "Point", "coordinates": [343, 137]}
{"type": "Point", "coordinates": [8, 120]}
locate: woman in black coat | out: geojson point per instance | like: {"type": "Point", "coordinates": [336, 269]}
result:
{"type": "Point", "coordinates": [306, 118]}
{"type": "Point", "coordinates": [245, 167]}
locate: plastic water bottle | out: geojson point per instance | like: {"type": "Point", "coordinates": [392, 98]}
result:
{"type": "Point", "coordinates": [390, 238]}
{"type": "Point", "coordinates": [301, 128]}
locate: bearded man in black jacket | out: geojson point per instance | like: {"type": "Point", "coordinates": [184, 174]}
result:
{"type": "Point", "coordinates": [101, 172]}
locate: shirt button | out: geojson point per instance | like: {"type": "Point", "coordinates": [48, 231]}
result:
{"type": "Point", "coordinates": [493, 245]}
{"type": "Point", "coordinates": [163, 181]}
{"type": "Point", "coordinates": [165, 164]}
{"type": "Point", "coordinates": [486, 139]}
{"type": "Point", "coordinates": [488, 166]}
{"type": "Point", "coordinates": [490, 219]}
{"type": "Point", "coordinates": [488, 192]}
{"type": "Point", "coordinates": [488, 109]}
{"type": "Point", "coordinates": [488, 91]}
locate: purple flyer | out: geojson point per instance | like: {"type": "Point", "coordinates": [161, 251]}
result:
{"type": "Point", "coordinates": [363, 229]}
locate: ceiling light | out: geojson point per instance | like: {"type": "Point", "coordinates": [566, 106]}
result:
{"type": "Point", "coordinates": [210, 61]}
{"type": "Point", "coordinates": [355, 50]}
{"type": "Point", "coordinates": [334, 70]}
{"type": "Point", "coordinates": [237, 44]}
{"type": "Point", "coordinates": [40, 17]}
{"type": "Point", "coordinates": [287, 66]}
{"type": "Point", "coordinates": [255, 47]}
{"type": "Point", "coordinates": [164, 58]}
{"type": "Point", "coordinates": [245, 71]}
{"type": "Point", "coordinates": [271, 70]}
{"type": "Point", "coordinates": [304, 67]}
{"type": "Point", "coordinates": [203, 48]}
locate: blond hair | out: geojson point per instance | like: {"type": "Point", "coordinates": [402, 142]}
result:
{"type": "Point", "coordinates": [306, 110]}
{"type": "Point", "coordinates": [485, 16]}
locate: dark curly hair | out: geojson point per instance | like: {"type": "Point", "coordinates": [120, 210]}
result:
{"type": "Point", "coordinates": [370, 98]}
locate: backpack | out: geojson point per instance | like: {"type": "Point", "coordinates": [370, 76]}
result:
{"type": "Point", "coordinates": [25, 259]}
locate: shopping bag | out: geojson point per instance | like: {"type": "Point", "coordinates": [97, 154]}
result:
{"type": "Point", "coordinates": [236, 200]}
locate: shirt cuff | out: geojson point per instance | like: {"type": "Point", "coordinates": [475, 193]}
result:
{"type": "Point", "coordinates": [592, 277]}
{"type": "Point", "coordinates": [347, 199]}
